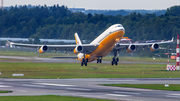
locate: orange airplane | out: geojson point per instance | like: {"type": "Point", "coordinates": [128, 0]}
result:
{"type": "Point", "coordinates": [98, 48]}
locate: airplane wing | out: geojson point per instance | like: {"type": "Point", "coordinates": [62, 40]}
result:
{"type": "Point", "coordinates": [132, 46]}
{"type": "Point", "coordinates": [86, 48]}
{"type": "Point", "coordinates": [64, 57]}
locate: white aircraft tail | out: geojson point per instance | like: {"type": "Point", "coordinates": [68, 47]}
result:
{"type": "Point", "coordinates": [78, 41]}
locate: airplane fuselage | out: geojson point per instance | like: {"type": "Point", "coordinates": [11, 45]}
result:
{"type": "Point", "coordinates": [106, 42]}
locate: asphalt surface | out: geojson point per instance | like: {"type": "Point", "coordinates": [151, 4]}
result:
{"type": "Point", "coordinates": [90, 88]}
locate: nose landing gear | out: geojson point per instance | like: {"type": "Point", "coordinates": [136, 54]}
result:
{"type": "Point", "coordinates": [99, 60]}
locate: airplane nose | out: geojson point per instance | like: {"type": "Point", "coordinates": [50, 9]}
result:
{"type": "Point", "coordinates": [122, 28]}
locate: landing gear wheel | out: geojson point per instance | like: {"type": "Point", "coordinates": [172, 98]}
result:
{"type": "Point", "coordinates": [97, 60]}
{"type": "Point", "coordinates": [112, 63]}
{"type": "Point", "coordinates": [85, 63]}
{"type": "Point", "coordinates": [116, 63]}
{"type": "Point", "coordinates": [81, 63]}
{"type": "Point", "coordinates": [100, 60]}
{"type": "Point", "coordinates": [113, 59]}
{"type": "Point", "coordinates": [86, 60]}
{"type": "Point", "coordinates": [117, 59]}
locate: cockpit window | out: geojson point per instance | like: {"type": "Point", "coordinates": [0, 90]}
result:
{"type": "Point", "coordinates": [119, 25]}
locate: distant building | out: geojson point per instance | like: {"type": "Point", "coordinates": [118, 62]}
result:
{"type": "Point", "coordinates": [41, 40]}
{"type": "Point", "coordinates": [77, 10]}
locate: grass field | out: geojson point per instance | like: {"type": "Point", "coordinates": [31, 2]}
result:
{"type": "Point", "coordinates": [93, 70]}
{"type": "Point", "coordinates": [74, 70]}
{"type": "Point", "coordinates": [46, 98]}
{"type": "Point", "coordinates": [140, 59]}
{"type": "Point", "coordinates": [172, 87]}
{"type": "Point", "coordinates": [5, 91]}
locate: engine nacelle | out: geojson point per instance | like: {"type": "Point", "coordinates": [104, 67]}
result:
{"type": "Point", "coordinates": [78, 49]}
{"type": "Point", "coordinates": [131, 48]}
{"type": "Point", "coordinates": [154, 47]}
{"type": "Point", "coordinates": [43, 49]}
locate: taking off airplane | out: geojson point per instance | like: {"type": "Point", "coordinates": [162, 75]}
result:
{"type": "Point", "coordinates": [98, 48]}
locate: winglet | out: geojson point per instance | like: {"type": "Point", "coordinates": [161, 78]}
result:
{"type": "Point", "coordinates": [10, 43]}
{"type": "Point", "coordinates": [78, 41]}
{"type": "Point", "coordinates": [172, 39]}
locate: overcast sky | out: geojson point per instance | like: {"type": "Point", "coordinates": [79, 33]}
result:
{"type": "Point", "coordinates": [100, 4]}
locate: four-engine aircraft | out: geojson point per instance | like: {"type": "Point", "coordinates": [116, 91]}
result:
{"type": "Point", "coordinates": [98, 48]}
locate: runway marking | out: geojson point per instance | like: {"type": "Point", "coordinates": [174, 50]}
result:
{"type": "Point", "coordinates": [32, 85]}
{"type": "Point", "coordinates": [79, 89]}
{"type": "Point", "coordinates": [128, 93]}
{"type": "Point", "coordinates": [174, 95]}
{"type": "Point", "coordinates": [117, 95]}
{"type": "Point", "coordinates": [4, 86]}
{"type": "Point", "coordinates": [50, 84]}
{"type": "Point", "coordinates": [137, 89]}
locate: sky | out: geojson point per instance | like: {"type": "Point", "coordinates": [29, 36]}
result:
{"type": "Point", "coordinates": [100, 4]}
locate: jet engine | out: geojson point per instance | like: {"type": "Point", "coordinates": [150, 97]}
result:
{"type": "Point", "coordinates": [78, 49]}
{"type": "Point", "coordinates": [131, 48]}
{"type": "Point", "coordinates": [43, 49]}
{"type": "Point", "coordinates": [154, 47]}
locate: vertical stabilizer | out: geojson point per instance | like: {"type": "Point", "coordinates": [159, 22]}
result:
{"type": "Point", "coordinates": [78, 41]}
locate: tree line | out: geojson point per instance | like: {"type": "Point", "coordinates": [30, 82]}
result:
{"type": "Point", "coordinates": [57, 22]}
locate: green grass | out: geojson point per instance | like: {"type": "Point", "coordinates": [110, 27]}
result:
{"type": "Point", "coordinates": [74, 70]}
{"type": "Point", "coordinates": [5, 91]}
{"type": "Point", "coordinates": [46, 98]}
{"type": "Point", "coordinates": [140, 59]}
{"type": "Point", "coordinates": [172, 87]}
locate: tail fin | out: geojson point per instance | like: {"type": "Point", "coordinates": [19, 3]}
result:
{"type": "Point", "coordinates": [78, 41]}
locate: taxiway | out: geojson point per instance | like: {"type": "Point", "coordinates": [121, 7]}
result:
{"type": "Point", "coordinates": [91, 88]}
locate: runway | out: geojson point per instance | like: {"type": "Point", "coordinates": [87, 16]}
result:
{"type": "Point", "coordinates": [52, 60]}
{"type": "Point", "coordinates": [90, 88]}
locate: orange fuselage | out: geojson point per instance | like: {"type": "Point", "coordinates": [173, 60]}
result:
{"type": "Point", "coordinates": [105, 47]}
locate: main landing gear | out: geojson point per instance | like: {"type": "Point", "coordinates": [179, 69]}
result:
{"type": "Point", "coordinates": [99, 60]}
{"type": "Point", "coordinates": [115, 60]}
{"type": "Point", "coordinates": [84, 61]}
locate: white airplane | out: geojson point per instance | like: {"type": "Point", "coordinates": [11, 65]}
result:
{"type": "Point", "coordinates": [98, 48]}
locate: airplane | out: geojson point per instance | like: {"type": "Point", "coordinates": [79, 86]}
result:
{"type": "Point", "coordinates": [98, 48]}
